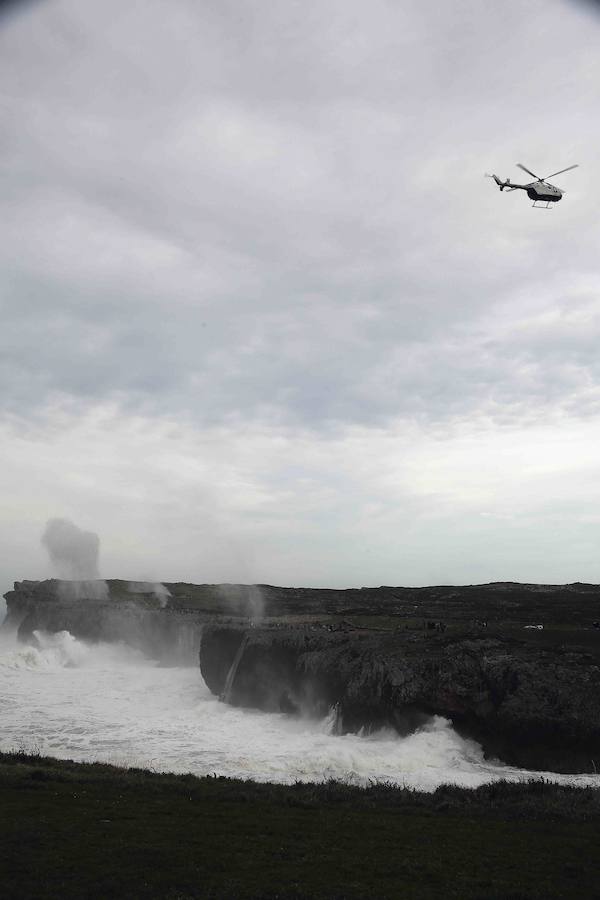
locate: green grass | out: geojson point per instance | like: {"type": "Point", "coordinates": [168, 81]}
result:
{"type": "Point", "coordinates": [73, 831]}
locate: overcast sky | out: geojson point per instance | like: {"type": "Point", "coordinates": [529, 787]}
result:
{"type": "Point", "coordinates": [262, 317]}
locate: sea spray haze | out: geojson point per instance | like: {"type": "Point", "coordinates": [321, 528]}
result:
{"type": "Point", "coordinates": [74, 556]}
{"type": "Point", "coordinates": [155, 588]}
{"type": "Point", "coordinates": [109, 702]}
{"type": "Point", "coordinates": [245, 600]}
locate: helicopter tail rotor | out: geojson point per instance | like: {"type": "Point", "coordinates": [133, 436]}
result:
{"type": "Point", "coordinates": [501, 184]}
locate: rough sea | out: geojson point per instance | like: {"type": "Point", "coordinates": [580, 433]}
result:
{"type": "Point", "coordinates": [108, 702]}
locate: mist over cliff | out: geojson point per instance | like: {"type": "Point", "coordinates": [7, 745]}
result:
{"type": "Point", "coordinates": [74, 556]}
{"type": "Point", "coordinates": [504, 662]}
{"type": "Point", "coordinates": [350, 685]}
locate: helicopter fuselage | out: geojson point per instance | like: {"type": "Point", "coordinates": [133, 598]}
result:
{"type": "Point", "coordinates": [539, 190]}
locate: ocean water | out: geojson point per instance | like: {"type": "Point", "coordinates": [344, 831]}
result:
{"type": "Point", "coordinates": [108, 702]}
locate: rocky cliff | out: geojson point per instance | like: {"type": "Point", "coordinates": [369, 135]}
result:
{"type": "Point", "coordinates": [533, 706]}
{"type": "Point", "coordinates": [113, 614]}
{"type": "Point", "coordinates": [379, 656]}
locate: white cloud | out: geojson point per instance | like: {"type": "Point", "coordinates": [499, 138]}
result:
{"type": "Point", "coordinates": [257, 503]}
{"type": "Point", "coordinates": [258, 299]}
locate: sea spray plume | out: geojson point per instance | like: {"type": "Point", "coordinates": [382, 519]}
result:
{"type": "Point", "coordinates": [73, 552]}
{"type": "Point", "coordinates": [226, 695]}
{"type": "Point", "coordinates": [245, 600]}
{"type": "Point", "coordinates": [74, 555]}
{"type": "Point", "coordinates": [256, 603]}
{"type": "Point", "coordinates": [155, 588]}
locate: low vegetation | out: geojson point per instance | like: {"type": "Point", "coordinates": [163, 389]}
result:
{"type": "Point", "coordinates": [70, 830]}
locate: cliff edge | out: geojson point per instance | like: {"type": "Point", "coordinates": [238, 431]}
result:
{"type": "Point", "coordinates": [530, 705]}
{"type": "Point", "coordinates": [515, 666]}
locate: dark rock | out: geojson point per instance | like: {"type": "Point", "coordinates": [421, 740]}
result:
{"type": "Point", "coordinates": [527, 705]}
{"type": "Point", "coordinates": [531, 697]}
{"type": "Point", "coordinates": [135, 619]}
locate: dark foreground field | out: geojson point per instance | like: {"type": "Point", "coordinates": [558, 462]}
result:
{"type": "Point", "coordinates": [75, 831]}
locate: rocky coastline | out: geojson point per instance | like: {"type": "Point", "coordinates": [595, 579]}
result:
{"type": "Point", "coordinates": [376, 657]}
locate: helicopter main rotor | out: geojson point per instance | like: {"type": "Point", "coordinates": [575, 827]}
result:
{"type": "Point", "coordinates": [544, 180]}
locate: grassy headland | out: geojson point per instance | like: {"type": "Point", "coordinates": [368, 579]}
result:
{"type": "Point", "coordinates": [71, 830]}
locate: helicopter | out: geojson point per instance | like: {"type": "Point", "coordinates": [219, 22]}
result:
{"type": "Point", "coordinates": [540, 191]}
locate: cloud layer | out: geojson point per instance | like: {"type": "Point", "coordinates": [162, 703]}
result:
{"type": "Point", "coordinates": [252, 276]}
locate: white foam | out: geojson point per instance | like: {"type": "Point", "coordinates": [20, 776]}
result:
{"type": "Point", "coordinates": [61, 650]}
{"type": "Point", "coordinates": [68, 699]}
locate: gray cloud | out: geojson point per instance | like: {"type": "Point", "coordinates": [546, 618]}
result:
{"type": "Point", "coordinates": [256, 288]}
{"type": "Point", "coordinates": [279, 212]}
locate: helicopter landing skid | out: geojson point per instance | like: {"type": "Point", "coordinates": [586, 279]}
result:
{"type": "Point", "coordinates": [542, 204]}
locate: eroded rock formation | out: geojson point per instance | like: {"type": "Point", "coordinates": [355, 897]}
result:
{"type": "Point", "coordinates": [136, 619]}
{"type": "Point", "coordinates": [530, 696]}
{"type": "Point", "coordinates": [529, 706]}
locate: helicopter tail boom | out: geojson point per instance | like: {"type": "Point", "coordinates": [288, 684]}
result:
{"type": "Point", "coordinates": [508, 185]}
